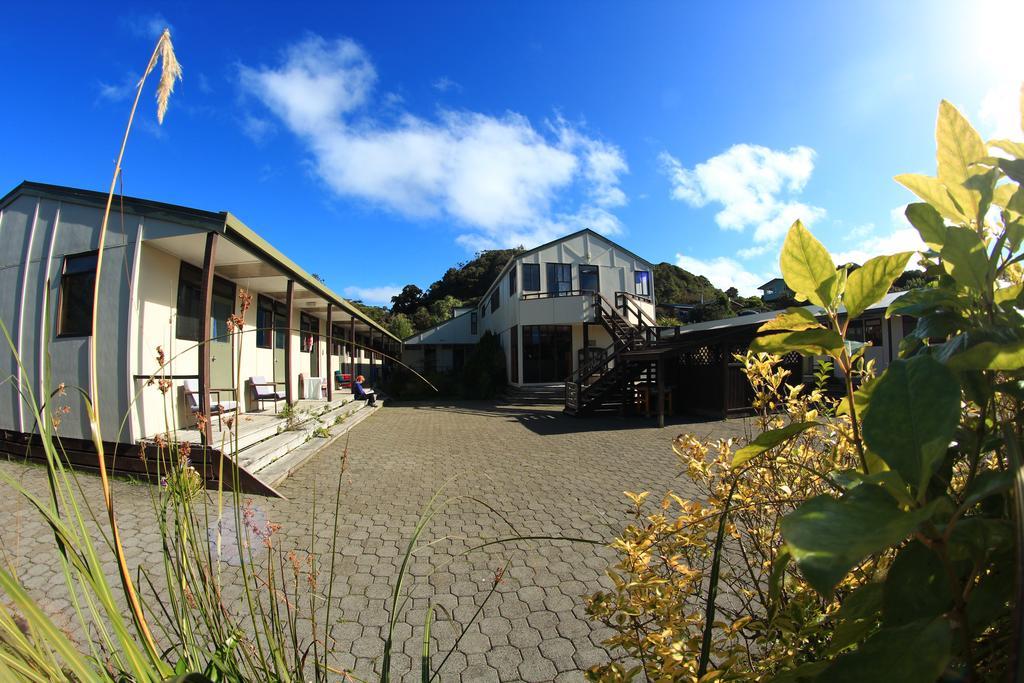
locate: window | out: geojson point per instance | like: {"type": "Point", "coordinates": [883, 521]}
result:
{"type": "Point", "coordinates": [495, 299]}
{"type": "Point", "coordinates": [188, 322]}
{"type": "Point", "coordinates": [264, 322]}
{"type": "Point", "coordinates": [642, 282]}
{"type": "Point", "coordinates": [512, 282]}
{"type": "Point", "coordinates": [590, 281]}
{"type": "Point", "coordinates": [77, 286]}
{"type": "Point", "coordinates": [337, 339]}
{"type": "Point", "coordinates": [310, 329]}
{"type": "Point", "coordinates": [867, 331]}
{"type": "Point", "coordinates": [483, 311]}
{"type": "Point", "coordinates": [559, 278]}
{"type": "Point", "coordinates": [531, 277]}
{"type": "Point", "coordinates": [473, 323]}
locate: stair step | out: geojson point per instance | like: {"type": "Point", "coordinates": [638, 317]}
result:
{"type": "Point", "coordinates": [281, 467]}
{"type": "Point", "coordinates": [259, 455]}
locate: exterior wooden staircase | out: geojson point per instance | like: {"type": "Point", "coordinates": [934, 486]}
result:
{"type": "Point", "coordinates": [607, 383]}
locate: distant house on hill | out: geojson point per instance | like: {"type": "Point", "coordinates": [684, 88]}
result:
{"type": "Point", "coordinates": [775, 289]}
{"type": "Point", "coordinates": [543, 308]}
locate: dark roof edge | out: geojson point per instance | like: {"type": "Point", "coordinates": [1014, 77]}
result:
{"type": "Point", "coordinates": [534, 250]}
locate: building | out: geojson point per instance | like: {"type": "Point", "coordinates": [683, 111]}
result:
{"type": "Point", "coordinates": [775, 289]}
{"type": "Point", "coordinates": [543, 307]}
{"type": "Point", "coordinates": [171, 276]}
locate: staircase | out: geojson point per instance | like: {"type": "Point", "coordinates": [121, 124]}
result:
{"type": "Point", "coordinates": [607, 383]}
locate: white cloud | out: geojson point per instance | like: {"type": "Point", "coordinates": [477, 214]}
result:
{"type": "Point", "coordinates": [147, 26]}
{"type": "Point", "coordinates": [118, 92]}
{"type": "Point", "coordinates": [373, 295]}
{"type": "Point", "coordinates": [1000, 112]}
{"type": "Point", "coordinates": [256, 128]}
{"type": "Point", "coordinates": [445, 84]}
{"type": "Point", "coordinates": [755, 186]}
{"type": "Point", "coordinates": [497, 175]}
{"type": "Point", "coordinates": [903, 237]}
{"type": "Point", "coordinates": [724, 273]}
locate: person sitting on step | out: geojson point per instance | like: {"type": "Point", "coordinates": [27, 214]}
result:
{"type": "Point", "coordinates": [360, 393]}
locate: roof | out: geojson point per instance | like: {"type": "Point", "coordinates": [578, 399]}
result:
{"type": "Point", "coordinates": [760, 318]}
{"type": "Point", "coordinates": [771, 282]}
{"type": "Point", "coordinates": [534, 250]}
{"type": "Point", "coordinates": [223, 222]}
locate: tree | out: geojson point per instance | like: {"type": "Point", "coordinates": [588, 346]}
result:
{"type": "Point", "coordinates": [442, 308]}
{"type": "Point", "coordinates": [422, 319]}
{"type": "Point", "coordinates": [408, 300]}
{"type": "Point", "coordinates": [401, 326]}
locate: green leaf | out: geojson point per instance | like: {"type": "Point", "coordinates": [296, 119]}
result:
{"type": "Point", "coordinates": [769, 439]}
{"type": "Point", "coordinates": [869, 283]}
{"type": "Point", "coordinates": [914, 653]}
{"type": "Point", "coordinates": [965, 258]}
{"type": "Point", "coordinates": [818, 342]}
{"type": "Point", "coordinates": [1014, 148]}
{"type": "Point", "coordinates": [992, 598]}
{"type": "Point", "coordinates": [913, 413]}
{"type": "Point", "coordinates": [934, 192]}
{"type": "Point", "coordinates": [958, 145]}
{"type": "Point", "coordinates": [830, 536]}
{"type": "Point", "coordinates": [988, 483]}
{"type": "Point", "coordinates": [929, 224]}
{"type": "Point", "coordinates": [1013, 168]}
{"type": "Point", "coordinates": [807, 267]}
{"type": "Point", "coordinates": [793, 319]}
{"type": "Point", "coordinates": [778, 576]}
{"type": "Point", "coordinates": [990, 356]}
{"type": "Point", "coordinates": [858, 615]}
{"type": "Point", "coordinates": [918, 302]}
{"type": "Point", "coordinates": [916, 587]}
{"type": "Point", "coordinates": [1009, 294]}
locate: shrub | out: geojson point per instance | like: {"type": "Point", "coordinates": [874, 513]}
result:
{"type": "Point", "coordinates": [483, 374]}
{"type": "Point", "coordinates": [880, 543]}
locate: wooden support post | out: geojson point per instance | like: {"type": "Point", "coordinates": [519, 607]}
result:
{"type": "Point", "coordinates": [205, 332]}
{"type": "Point", "coordinates": [330, 348]}
{"type": "Point", "coordinates": [289, 398]}
{"type": "Point", "coordinates": [661, 393]}
{"type": "Point", "coordinates": [352, 340]}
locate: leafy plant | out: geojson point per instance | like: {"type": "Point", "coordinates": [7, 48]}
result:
{"type": "Point", "coordinates": [901, 510]}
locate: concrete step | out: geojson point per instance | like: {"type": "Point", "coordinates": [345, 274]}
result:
{"type": "Point", "coordinates": [277, 470]}
{"type": "Point", "coordinates": [259, 455]}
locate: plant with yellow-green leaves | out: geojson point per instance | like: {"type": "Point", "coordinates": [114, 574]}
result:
{"type": "Point", "coordinates": [884, 542]}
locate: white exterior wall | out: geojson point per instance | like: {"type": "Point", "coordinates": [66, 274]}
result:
{"type": "Point", "coordinates": [36, 233]}
{"type": "Point", "coordinates": [616, 269]}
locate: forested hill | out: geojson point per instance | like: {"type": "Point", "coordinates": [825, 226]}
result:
{"type": "Point", "coordinates": [414, 309]}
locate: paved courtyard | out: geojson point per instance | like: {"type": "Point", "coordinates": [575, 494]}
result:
{"type": "Point", "coordinates": [543, 473]}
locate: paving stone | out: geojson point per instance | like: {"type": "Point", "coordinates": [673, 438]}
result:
{"type": "Point", "coordinates": [548, 474]}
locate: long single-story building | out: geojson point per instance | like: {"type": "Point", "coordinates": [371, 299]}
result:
{"type": "Point", "coordinates": [171, 277]}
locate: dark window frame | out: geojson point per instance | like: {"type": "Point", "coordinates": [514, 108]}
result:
{"type": "Point", "coordinates": [474, 323]}
{"type": "Point", "coordinates": [512, 282]}
{"type": "Point", "coordinates": [67, 281]}
{"type": "Point", "coordinates": [559, 274]}
{"type": "Point", "coordinates": [495, 299]}
{"type": "Point", "coordinates": [531, 277]}
{"type": "Point", "coordinates": [597, 277]}
{"type": "Point", "coordinates": [264, 327]}
{"type": "Point", "coordinates": [637, 280]}
{"type": "Point", "coordinates": [306, 321]}
{"type": "Point", "coordinates": [190, 293]}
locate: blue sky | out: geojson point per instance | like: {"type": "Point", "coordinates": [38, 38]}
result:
{"type": "Point", "coordinates": [379, 143]}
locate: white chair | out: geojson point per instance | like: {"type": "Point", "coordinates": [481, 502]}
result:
{"type": "Point", "coordinates": [263, 391]}
{"type": "Point", "coordinates": [217, 407]}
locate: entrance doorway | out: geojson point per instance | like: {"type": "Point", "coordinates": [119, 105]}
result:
{"type": "Point", "coordinates": [221, 357]}
{"type": "Point", "coordinates": [547, 353]}
{"type": "Point", "coordinates": [310, 328]}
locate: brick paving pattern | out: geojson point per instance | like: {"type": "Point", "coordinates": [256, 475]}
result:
{"type": "Point", "coordinates": [547, 474]}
